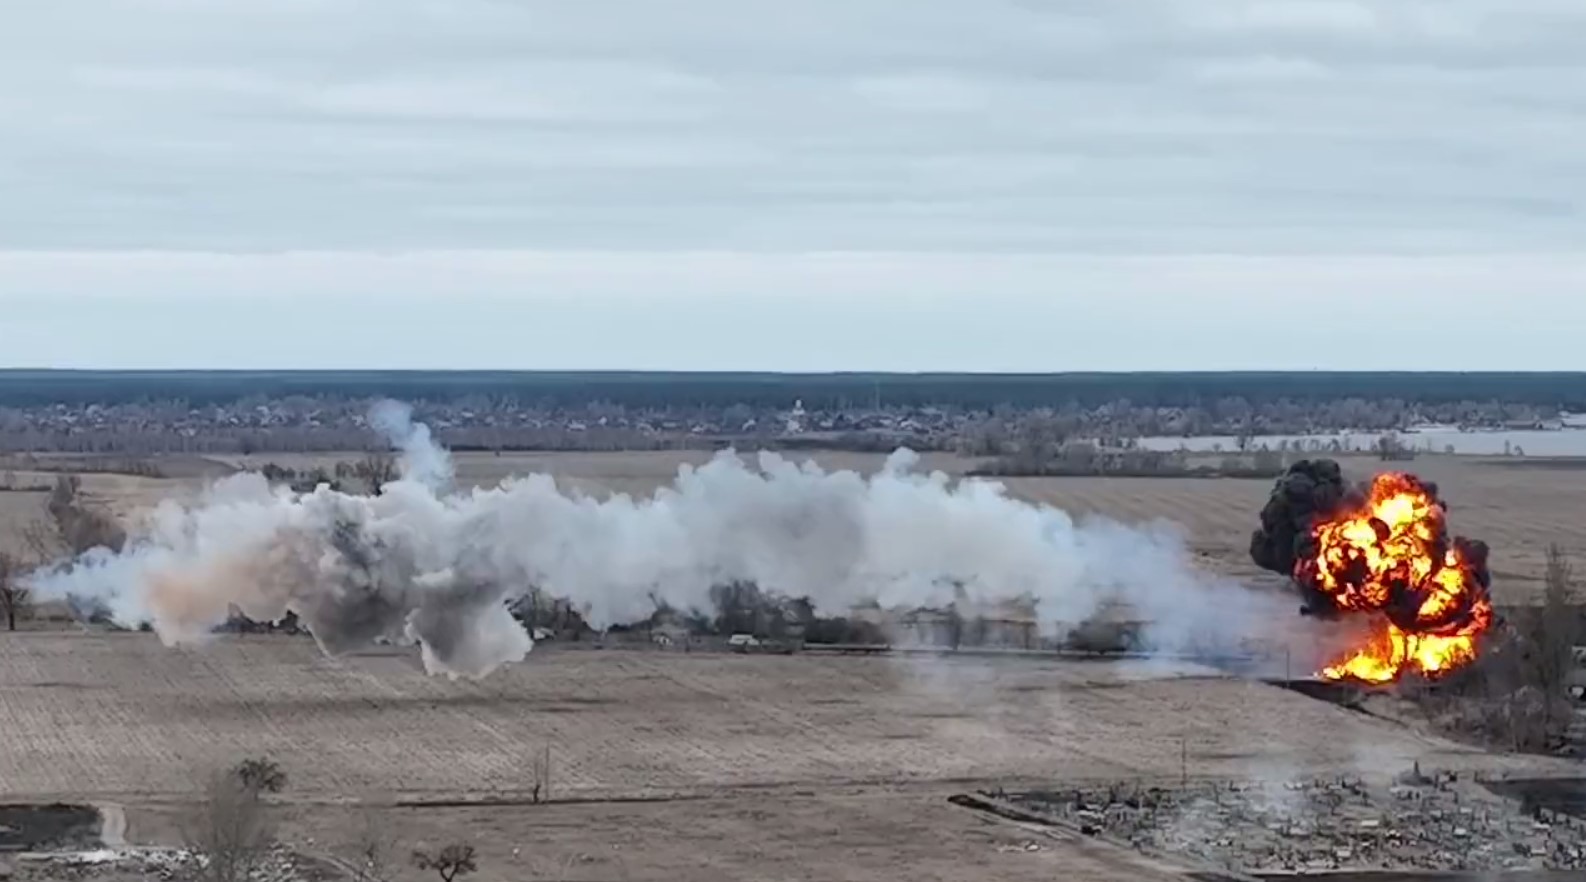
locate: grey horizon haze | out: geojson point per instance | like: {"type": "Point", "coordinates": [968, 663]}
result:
{"type": "Point", "coordinates": [824, 185]}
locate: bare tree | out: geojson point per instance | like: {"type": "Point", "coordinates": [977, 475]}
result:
{"type": "Point", "coordinates": [42, 540]}
{"type": "Point", "coordinates": [376, 470]}
{"type": "Point", "coordinates": [14, 600]}
{"type": "Point", "coordinates": [74, 524]}
{"type": "Point", "coordinates": [1518, 694]}
{"type": "Point", "coordinates": [260, 775]}
{"type": "Point", "coordinates": [450, 862]}
{"type": "Point", "coordinates": [1554, 637]}
{"type": "Point", "coordinates": [540, 776]}
{"type": "Point", "coordinates": [229, 829]}
{"type": "Point", "coordinates": [370, 851]}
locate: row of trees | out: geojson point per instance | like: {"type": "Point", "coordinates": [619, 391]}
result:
{"type": "Point", "coordinates": [72, 524]}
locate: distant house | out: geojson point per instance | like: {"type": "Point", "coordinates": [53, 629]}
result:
{"type": "Point", "coordinates": [672, 631]}
{"type": "Point", "coordinates": [1005, 625]}
{"type": "Point", "coordinates": [925, 627]}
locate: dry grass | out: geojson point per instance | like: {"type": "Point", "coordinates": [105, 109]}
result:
{"type": "Point", "coordinates": [119, 715]}
{"type": "Point", "coordinates": [757, 758]}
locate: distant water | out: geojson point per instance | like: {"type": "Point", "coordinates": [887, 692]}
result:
{"type": "Point", "coordinates": [1564, 442]}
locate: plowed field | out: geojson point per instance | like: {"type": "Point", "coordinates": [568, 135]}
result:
{"type": "Point", "coordinates": [113, 715]}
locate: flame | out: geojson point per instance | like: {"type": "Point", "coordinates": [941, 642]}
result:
{"type": "Point", "coordinates": [1390, 555]}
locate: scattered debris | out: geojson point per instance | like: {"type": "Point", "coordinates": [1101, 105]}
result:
{"type": "Point", "coordinates": [1417, 822]}
{"type": "Point", "coordinates": [154, 865]}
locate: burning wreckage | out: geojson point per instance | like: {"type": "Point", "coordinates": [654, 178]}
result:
{"type": "Point", "coordinates": [1381, 549]}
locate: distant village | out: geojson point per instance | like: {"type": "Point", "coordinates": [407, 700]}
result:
{"type": "Point", "coordinates": [302, 424]}
{"type": "Point", "coordinates": [476, 422]}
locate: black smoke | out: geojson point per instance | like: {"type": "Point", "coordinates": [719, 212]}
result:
{"type": "Point", "coordinates": [1315, 490]}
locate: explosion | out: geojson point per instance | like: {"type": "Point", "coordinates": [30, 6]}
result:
{"type": "Point", "coordinates": [1382, 549]}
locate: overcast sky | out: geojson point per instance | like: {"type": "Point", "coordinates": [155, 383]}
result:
{"type": "Point", "coordinates": [811, 185]}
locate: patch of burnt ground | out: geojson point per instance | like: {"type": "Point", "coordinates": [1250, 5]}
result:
{"type": "Point", "coordinates": [48, 827]}
{"type": "Point", "coordinates": [1343, 694]}
{"type": "Point", "coordinates": [1561, 795]}
{"type": "Point", "coordinates": [1425, 828]}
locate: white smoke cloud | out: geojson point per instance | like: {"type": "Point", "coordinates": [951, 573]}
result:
{"type": "Point", "coordinates": [437, 567]}
{"type": "Point", "coordinates": [422, 460]}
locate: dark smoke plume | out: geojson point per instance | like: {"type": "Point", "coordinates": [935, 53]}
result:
{"type": "Point", "coordinates": [1314, 491]}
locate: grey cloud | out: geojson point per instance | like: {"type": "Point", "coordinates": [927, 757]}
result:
{"type": "Point", "coordinates": [1083, 126]}
{"type": "Point", "coordinates": [737, 311]}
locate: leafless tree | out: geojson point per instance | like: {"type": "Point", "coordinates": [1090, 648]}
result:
{"type": "Point", "coordinates": [1554, 636]}
{"type": "Point", "coordinates": [74, 524]}
{"type": "Point", "coordinates": [228, 829]}
{"type": "Point", "coordinates": [450, 862]}
{"type": "Point", "coordinates": [43, 542]}
{"type": "Point", "coordinates": [376, 470]}
{"type": "Point", "coordinates": [260, 775]}
{"type": "Point", "coordinates": [13, 597]}
{"type": "Point", "coordinates": [1517, 695]}
{"type": "Point", "coordinates": [370, 851]}
{"type": "Point", "coordinates": [540, 776]}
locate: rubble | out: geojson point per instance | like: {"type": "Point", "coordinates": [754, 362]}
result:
{"type": "Point", "coordinates": [1413, 822]}
{"type": "Point", "coordinates": [153, 865]}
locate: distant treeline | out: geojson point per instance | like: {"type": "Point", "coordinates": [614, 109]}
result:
{"type": "Point", "coordinates": [33, 388]}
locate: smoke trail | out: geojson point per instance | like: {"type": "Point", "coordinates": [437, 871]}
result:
{"type": "Point", "coordinates": [422, 460]}
{"type": "Point", "coordinates": [438, 568]}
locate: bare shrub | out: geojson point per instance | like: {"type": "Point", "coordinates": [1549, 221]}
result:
{"type": "Point", "coordinates": [450, 862]}
{"type": "Point", "coordinates": [14, 600]}
{"type": "Point", "coordinates": [369, 854]}
{"type": "Point", "coordinates": [228, 829]}
{"type": "Point", "coordinates": [260, 775]}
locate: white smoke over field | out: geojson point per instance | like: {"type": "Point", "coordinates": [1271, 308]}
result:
{"type": "Point", "coordinates": [422, 563]}
{"type": "Point", "coordinates": [423, 460]}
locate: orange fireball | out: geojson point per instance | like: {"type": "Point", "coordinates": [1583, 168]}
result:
{"type": "Point", "coordinates": [1389, 554]}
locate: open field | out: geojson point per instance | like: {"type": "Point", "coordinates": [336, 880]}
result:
{"type": "Point", "coordinates": [672, 765]}
{"type": "Point", "coordinates": [635, 723]}
{"type": "Point", "coordinates": [756, 762]}
{"type": "Point", "coordinates": [1518, 510]}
